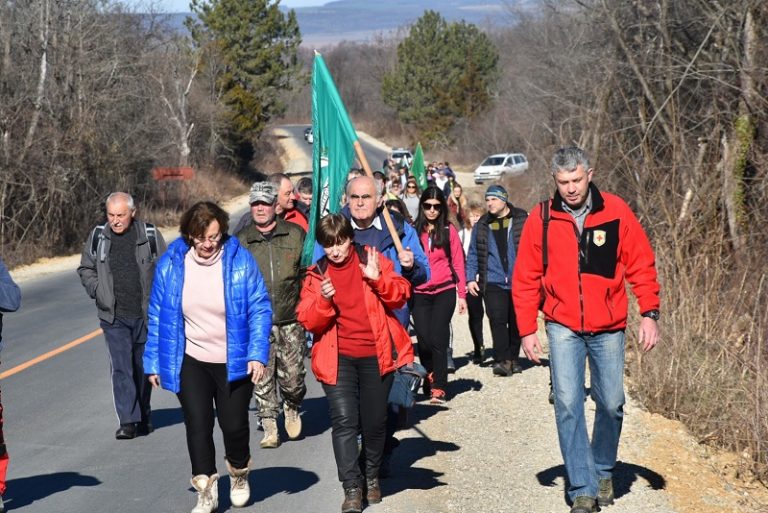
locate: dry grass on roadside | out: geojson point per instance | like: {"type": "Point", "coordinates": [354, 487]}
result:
{"type": "Point", "coordinates": [174, 197]}
{"type": "Point", "coordinates": [711, 369]}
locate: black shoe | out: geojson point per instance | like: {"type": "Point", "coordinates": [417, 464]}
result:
{"type": "Point", "coordinates": [126, 432]}
{"type": "Point", "coordinates": [144, 428]}
{"type": "Point", "coordinates": [502, 369]}
{"type": "Point", "coordinates": [478, 355]}
{"type": "Point", "coordinates": [516, 367]}
{"type": "Point", "coordinates": [451, 366]}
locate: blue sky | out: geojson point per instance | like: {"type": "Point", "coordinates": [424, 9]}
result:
{"type": "Point", "coordinates": [183, 5]}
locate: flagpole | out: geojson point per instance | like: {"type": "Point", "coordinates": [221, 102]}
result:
{"type": "Point", "coordinates": [387, 218]}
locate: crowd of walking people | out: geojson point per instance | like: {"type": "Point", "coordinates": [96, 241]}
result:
{"type": "Point", "coordinates": [222, 319]}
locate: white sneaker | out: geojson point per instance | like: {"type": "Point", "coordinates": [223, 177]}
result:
{"type": "Point", "coordinates": [207, 493]}
{"type": "Point", "coordinates": [292, 421]}
{"type": "Point", "coordinates": [239, 490]}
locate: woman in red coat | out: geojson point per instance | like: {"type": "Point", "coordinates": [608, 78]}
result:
{"type": "Point", "coordinates": [347, 301]}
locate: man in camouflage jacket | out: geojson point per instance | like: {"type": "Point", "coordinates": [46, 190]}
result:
{"type": "Point", "coordinates": [276, 245]}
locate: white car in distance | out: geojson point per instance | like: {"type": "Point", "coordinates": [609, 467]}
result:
{"type": "Point", "coordinates": [401, 156]}
{"type": "Point", "coordinates": [499, 165]}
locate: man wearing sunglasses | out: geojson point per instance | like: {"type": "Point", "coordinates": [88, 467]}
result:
{"type": "Point", "coordinates": [490, 262]}
{"type": "Point", "coordinates": [116, 269]}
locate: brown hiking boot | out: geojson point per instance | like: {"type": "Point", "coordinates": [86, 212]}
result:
{"type": "Point", "coordinates": [584, 504]}
{"type": "Point", "coordinates": [292, 421]}
{"type": "Point", "coordinates": [353, 500]}
{"type": "Point", "coordinates": [373, 491]}
{"type": "Point", "coordinates": [605, 492]}
{"type": "Point", "coordinates": [271, 437]}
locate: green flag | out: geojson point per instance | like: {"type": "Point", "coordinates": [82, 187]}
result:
{"type": "Point", "coordinates": [417, 169]}
{"type": "Point", "coordinates": [333, 150]}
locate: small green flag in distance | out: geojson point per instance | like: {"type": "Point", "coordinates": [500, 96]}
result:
{"type": "Point", "coordinates": [417, 169]}
{"type": "Point", "coordinates": [333, 151]}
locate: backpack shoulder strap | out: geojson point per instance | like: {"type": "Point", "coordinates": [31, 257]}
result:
{"type": "Point", "coordinates": [545, 227]}
{"type": "Point", "coordinates": [151, 233]}
{"type": "Point", "coordinates": [96, 237]}
{"type": "Point", "coordinates": [449, 254]}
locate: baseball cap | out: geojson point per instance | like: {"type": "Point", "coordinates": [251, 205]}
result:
{"type": "Point", "coordinates": [262, 191]}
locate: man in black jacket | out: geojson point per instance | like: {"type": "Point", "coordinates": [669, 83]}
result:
{"type": "Point", "coordinates": [490, 262]}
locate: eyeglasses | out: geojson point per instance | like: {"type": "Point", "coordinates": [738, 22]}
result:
{"type": "Point", "coordinates": [410, 186]}
{"type": "Point", "coordinates": [363, 197]}
{"type": "Point", "coordinates": [431, 206]}
{"type": "Point", "coordinates": [214, 239]}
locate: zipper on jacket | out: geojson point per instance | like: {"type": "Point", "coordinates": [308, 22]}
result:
{"type": "Point", "coordinates": [581, 288]}
{"type": "Point", "coordinates": [271, 265]}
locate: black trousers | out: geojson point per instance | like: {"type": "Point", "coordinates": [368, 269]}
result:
{"type": "Point", "coordinates": [475, 313]}
{"type": "Point", "coordinates": [131, 390]}
{"type": "Point", "coordinates": [204, 385]}
{"type": "Point", "coordinates": [501, 317]}
{"type": "Point", "coordinates": [432, 319]}
{"type": "Point", "coordinates": [358, 403]}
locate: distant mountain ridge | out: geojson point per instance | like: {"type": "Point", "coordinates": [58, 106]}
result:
{"type": "Point", "coordinates": [360, 20]}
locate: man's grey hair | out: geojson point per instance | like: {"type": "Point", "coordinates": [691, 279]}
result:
{"type": "Point", "coordinates": [568, 158]}
{"type": "Point", "coordinates": [377, 184]}
{"type": "Point", "coordinates": [123, 196]}
{"type": "Point", "coordinates": [277, 179]}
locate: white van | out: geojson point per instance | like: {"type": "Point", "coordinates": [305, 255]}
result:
{"type": "Point", "coordinates": [501, 164]}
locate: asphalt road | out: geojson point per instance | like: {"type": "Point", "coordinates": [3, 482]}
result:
{"type": "Point", "coordinates": [60, 422]}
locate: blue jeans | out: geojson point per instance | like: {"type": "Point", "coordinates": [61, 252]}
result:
{"type": "Point", "coordinates": [585, 463]}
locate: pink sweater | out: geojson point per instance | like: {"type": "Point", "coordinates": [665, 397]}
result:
{"type": "Point", "coordinates": [441, 278]}
{"type": "Point", "coordinates": [202, 303]}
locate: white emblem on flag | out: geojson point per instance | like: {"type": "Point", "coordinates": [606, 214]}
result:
{"type": "Point", "coordinates": [599, 238]}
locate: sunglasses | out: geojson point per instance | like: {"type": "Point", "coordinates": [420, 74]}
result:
{"type": "Point", "coordinates": [410, 186]}
{"type": "Point", "coordinates": [431, 206]}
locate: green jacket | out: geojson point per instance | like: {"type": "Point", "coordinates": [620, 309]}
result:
{"type": "Point", "coordinates": [279, 260]}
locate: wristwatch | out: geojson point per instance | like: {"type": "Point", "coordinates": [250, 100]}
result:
{"type": "Point", "coordinates": [653, 314]}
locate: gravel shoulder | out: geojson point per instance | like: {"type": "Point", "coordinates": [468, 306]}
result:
{"type": "Point", "coordinates": [494, 448]}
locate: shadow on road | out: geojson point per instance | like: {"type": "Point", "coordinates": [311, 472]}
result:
{"type": "Point", "coordinates": [462, 385]}
{"type": "Point", "coordinates": [624, 476]}
{"type": "Point", "coordinates": [167, 417]}
{"type": "Point", "coordinates": [315, 416]}
{"type": "Point", "coordinates": [405, 475]}
{"type": "Point", "coordinates": [26, 490]}
{"type": "Point", "coordinates": [270, 481]}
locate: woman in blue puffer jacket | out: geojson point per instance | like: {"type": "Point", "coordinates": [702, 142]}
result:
{"type": "Point", "coordinates": [208, 342]}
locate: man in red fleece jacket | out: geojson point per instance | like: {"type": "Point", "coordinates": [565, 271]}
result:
{"type": "Point", "coordinates": [594, 243]}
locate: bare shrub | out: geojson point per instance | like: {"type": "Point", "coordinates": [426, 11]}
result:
{"type": "Point", "coordinates": [669, 99]}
